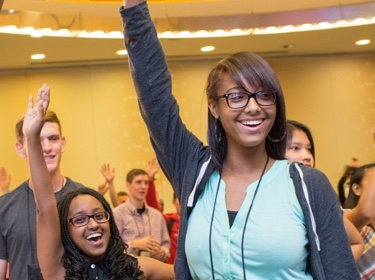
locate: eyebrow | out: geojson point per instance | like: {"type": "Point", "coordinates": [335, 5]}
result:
{"type": "Point", "coordinates": [236, 87]}
{"type": "Point", "coordinates": [81, 212]}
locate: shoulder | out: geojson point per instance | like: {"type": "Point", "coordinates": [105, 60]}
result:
{"type": "Point", "coordinates": [171, 216]}
{"type": "Point", "coordinates": [121, 209]}
{"type": "Point", "coordinates": [320, 191]}
{"type": "Point", "coordinates": [310, 175]}
{"type": "Point", "coordinates": [154, 212]}
{"type": "Point", "coordinates": [15, 196]}
{"type": "Point", "coordinates": [72, 185]}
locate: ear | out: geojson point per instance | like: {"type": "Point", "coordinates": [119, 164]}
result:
{"type": "Point", "coordinates": [357, 189]}
{"type": "Point", "coordinates": [20, 150]}
{"type": "Point", "coordinates": [214, 108]}
{"type": "Point", "coordinates": [128, 185]}
{"type": "Point", "coordinates": [63, 144]}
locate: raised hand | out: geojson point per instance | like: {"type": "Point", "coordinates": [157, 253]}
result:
{"type": "Point", "coordinates": [108, 173]}
{"type": "Point", "coordinates": [103, 188]}
{"type": "Point", "coordinates": [34, 117]}
{"type": "Point", "coordinates": [153, 167]}
{"type": "Point", "coordinates": [4, 180]}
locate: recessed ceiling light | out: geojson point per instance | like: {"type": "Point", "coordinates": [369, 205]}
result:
{"type": "Point", "coordinates": [122, 52]}
{"type": "Point", "coordinates": [38, 56]}
{"type": "Point", "coordinates": [362, 42]}
{"type": "Point", "coordinates": [207, 49]}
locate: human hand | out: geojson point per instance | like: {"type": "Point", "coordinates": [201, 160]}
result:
{"type": "Point", "coordinates": [103, 188]}
{"type": "Point", "coordinates": [34, 117]}
{"type": "Point", "coordinates": [108, 173]}
{"type": "Point", "coordinates": [147, 243]}
{"type": "Point", "coordinates": [354, 162]}
{"type": "Point", "coordinates": [158, 254]}
{"type": "Point", "coordinates": [131, 3]}
{"type": "Point", "coordinates": [153, 167]}
{"type": "Point", "coordinates": [4, 180]}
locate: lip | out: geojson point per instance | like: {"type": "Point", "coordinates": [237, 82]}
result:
{"type": "Point", "coordinates": [252, 125]}
{"type": "Point", "coordinates": [48, 158]}
{"type": "Point", "coordinates": [96, 243]}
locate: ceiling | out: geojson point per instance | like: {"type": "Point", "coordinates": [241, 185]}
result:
{"type": "Point", "coordinates": [15, 50]}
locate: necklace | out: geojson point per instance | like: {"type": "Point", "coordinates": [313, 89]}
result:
{"type": "Point", "coordinates": [244, 228]}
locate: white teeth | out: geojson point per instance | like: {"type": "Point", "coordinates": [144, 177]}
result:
{"type": "Point", "coordinates": [94, 235]}
{"type": "Point", "coordinates": [251, 122]}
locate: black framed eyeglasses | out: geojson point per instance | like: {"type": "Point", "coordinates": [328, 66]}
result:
{"type": "Point", "coordinates": [238, 100]}
{"type": "Point", "coordinates": [82, 220]}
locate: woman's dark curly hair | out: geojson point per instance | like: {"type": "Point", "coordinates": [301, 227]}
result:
{"type": "Point", "coordinates": [118, 262]}
{"type": "Point", "coordinates": [245, 67]}
{"type": "Point", "coordinates": [356, 178]}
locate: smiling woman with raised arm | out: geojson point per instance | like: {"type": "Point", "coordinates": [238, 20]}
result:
{"type": "Point", "coordinates": [246, 213]}
{"type": "Point", "coordinates": [78, 239]}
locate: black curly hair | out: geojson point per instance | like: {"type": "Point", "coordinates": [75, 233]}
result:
{"type": "Point", "coordinates": [118, 262]}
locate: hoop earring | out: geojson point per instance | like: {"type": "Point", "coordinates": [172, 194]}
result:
{"type": "Point", "coordinates": [217, 131]}
{"type": "Point", "coordinates": [276, 140]}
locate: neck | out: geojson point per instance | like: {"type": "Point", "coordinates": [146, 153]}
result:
{"type": "Point", "coordinates": [246, 161]}
{"type": "Point", "coordinates": [58, 181]}
{"type": "Point", "coordinates": [137, 203]}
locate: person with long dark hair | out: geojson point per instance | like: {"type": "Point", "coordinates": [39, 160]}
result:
{"type": "Point", "coordinates": [300, 148]}
{"type": "Point", "coordinates": [78, 239]}
{"type": "Point", "coordinates": [244, 212]}
{"type": "Point", "coordinates": [360, 201]}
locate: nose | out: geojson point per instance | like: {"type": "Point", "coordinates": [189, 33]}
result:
{"type": "Point", "coordinates": [307, 156]}
{"type": "Point", "coordinates": [46, 145]}
{"type": "Point", "coordinates": [92, 223]}
{"type": "Point", "coordinates": [252, 106]}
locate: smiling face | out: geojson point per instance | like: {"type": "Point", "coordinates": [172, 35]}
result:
{"type": "Point", "coordinates": [299, 148]}
{"type": "Point", "coordinates": [138, 188]}
{"type": "Point", "coordinates": [91, 240]}
{"type": "Point", "coordinates": [245, 127]}
{"type": "Point", "coordinates": [53, 145]}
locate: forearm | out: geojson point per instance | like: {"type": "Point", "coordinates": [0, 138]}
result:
{"type": "Point", "coordinates": [3, 269]}
{"type": "Point", "coordinates": [172, 142]}
{"type": "Point", "coordinates": [113, 194]}
{"type": "Point", "coordinates": [40, 177]}
{"type": "Point", "coordinates": [151, 197]}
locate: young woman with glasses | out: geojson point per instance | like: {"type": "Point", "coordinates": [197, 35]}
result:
{"type": "Point", "coordinates": [242, 216]}
{"type": "Point", "coordinates": [78, 239]}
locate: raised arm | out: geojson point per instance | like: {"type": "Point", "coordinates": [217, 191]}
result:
{"type": "Point", "coordinates": [131, 3]}
{"type": "Point", "coordinates": [175, 146]}
{"type": "Point", "coordinates": [49, 245]}
{"type": "Point", "coordinates": [109, 176]}
{"type": "Point", "coordinates": [4, 180]}
{"type": "Point", "coordinates": [152, 197]}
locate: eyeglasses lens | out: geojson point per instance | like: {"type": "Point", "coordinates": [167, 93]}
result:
{"type": "Point", "coordinates": [83, 220]}
{"type": "Point", "coordinates": [238, 100]}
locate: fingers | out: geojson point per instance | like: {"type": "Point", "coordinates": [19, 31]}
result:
{"type": "Point", "coordinates": [30, 103]}
{"type": "Point", "coordinates": [45, 96]}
